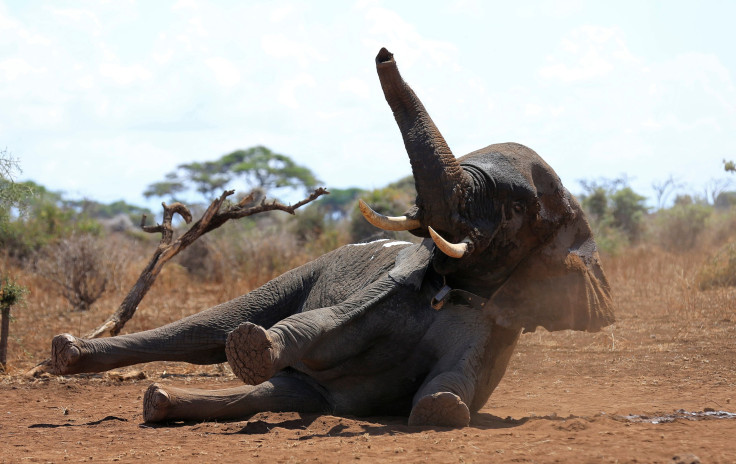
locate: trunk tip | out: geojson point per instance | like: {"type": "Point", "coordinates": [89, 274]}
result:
{"type": "Point", "coordinates": [384, 56]}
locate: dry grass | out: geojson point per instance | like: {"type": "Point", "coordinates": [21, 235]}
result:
{"type": "Point", "coordinates": [662, 314]}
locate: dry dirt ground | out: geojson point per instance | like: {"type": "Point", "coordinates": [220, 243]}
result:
{"type": "Point", "coordinates": [625, 394]}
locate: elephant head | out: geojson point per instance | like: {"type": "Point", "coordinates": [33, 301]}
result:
{"type": "Point", "coordinates": [506, 227]}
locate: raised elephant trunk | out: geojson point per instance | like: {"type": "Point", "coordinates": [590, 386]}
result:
{"type": "Point", "coordinates": [437, 174]}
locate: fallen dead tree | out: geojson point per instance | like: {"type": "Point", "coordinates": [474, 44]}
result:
{"type": "Point", "coordinates": [217, 214]}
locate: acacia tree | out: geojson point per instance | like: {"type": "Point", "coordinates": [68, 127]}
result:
{"type": "Point", "coordinates": [259, 168]}
{"type": "Point", "coordinates": [264, 169]}
{"type": "Point", "coordinates": [12, 194]}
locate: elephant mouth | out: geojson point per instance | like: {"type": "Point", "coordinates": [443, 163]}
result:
{"type": "Point", "coordinates": [403, 223]}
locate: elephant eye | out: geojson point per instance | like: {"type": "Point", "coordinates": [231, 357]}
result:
{"type": "Point", "coordinates": [518, 207]}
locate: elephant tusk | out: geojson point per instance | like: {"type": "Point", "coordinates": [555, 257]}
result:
{"type": "Point", "coordinates": [453, 250]}
{"type": "Point", "coordinates": [387, 222]}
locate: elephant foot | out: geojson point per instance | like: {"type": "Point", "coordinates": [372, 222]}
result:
{"type": "Point", "coordinates": [66, 351]}
{"type": "Point", "coordinates": [250, 353]}
{"type": "Point", "coordinates": [443, 409]}
{"type": "Point", "coordinates": [156, 404]}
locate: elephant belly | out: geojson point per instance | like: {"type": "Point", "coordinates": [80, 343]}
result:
{"type": "Point", "coordinates": [374, 383]}
{"type": "Point", "coordinates": [376, 362]}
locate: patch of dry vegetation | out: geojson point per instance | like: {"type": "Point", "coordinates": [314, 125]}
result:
{"type": "Point", "coordinates": [663, 315]}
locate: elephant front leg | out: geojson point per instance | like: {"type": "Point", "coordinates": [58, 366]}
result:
{"type": "Point", "coordinates": [283, 393]}
{"type": "Point", "coordinates": [463, 379]}
{"type": "Point", "coordinates": [440, 402]}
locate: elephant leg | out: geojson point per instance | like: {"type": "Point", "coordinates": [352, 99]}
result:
{"type": "Point", "coordinates": [438, 402]}
{"type": "Point", "coordinates": [282, 393]}
{"type": "Point", "coordinates": [464, 378]}
{"type": "Point", "coordinates": [199, 338]}
{"type": "Point", "coordinates": [256, 353]}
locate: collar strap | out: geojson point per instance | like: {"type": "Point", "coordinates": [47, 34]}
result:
{"type": "Point", "coordinates": [457, 297]}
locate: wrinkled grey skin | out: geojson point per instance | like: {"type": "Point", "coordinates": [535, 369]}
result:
{"type": "Point", "coordinates": [354, 332]}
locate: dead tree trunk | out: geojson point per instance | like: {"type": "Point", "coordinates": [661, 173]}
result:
{"type": "Point", "coordinates": [215, 216]}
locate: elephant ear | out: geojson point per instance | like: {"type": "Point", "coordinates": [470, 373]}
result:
{"type": "Point", "coordinates": [559, 286]}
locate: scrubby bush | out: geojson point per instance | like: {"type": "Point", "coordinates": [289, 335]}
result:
{"type": "Point", "coordinates": [615, 211]}
{"type": "Point", "coordinates": [678, 228]}
{"type": "Point", "coordinates": [628, 210]}
{"type": "Point", "coordinates": [82, 267]}
{"type": "Point", "coordinates": [720, 270]}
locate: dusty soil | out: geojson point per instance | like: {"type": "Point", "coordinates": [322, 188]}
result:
{"type": "Point", "coordinates": [612, 396]}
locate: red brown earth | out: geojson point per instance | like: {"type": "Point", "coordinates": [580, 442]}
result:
{"type": "Point", "coordinates": [565, 398]}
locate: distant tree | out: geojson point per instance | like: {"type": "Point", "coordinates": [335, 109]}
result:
{"type": "Point", "coordinates": [596, 202]}
{"type": "Point", "coordinates": [259, 167]}
{"type": "Point", "coordinates": [725, 200]}
{"type": "Point", "coordinates": [263, 168]}
{"type": "Point", "coordinates": [616, 211]}
{"type": "Point", "coordinates": [714, 187]}
{"type": "Point", "coordinates": [597, 194]}
{"type": "Point", "coordinates": [170, 188]}
{"type": "Point", "coordinates": [628, 209]}
{"type": "Point", "coordinates": [97, 210]}
{"type": "Point", "coordinates": [208, 178]}
{"type": "Point", "coordinates": [12, 195]}
{"type": "Point", "coordinates": [48, 217]}
{"type": "Point", "coordinates": [338, 204]}
{"type": "Point", "coordinates": [729, 166]}
{"type": "Point", "coordinates": [665, 188]}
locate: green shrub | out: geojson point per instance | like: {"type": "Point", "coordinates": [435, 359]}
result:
{"type": "Point", "coordinates": [10, 295]}
{"type": "Point", "coordinates": [615, 211]}
{"type": "Point", "coordinates": [678, 228]}
{"type": "Point", "coordinates": [720, 270]}
{"type": "Point", "coordinates": [47, 219]}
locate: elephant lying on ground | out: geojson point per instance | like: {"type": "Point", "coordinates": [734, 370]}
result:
{"type": "Point", "coordinates": [391, 327]}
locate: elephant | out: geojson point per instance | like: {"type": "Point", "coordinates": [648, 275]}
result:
{"type": "Point", "coordinates": [424, 330]}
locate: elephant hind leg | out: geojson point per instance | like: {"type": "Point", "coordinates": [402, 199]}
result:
{"type": "Point", "coordinates": [251, 353]}
{"type": "Point", "coordinates": [281, 393]}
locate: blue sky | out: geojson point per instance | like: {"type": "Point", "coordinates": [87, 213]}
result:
{"type": "Point", "coordinates": [102, 98]}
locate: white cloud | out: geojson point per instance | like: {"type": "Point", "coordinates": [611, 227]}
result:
{"type": "Point", "coordinates": [124, 75]}
{"type": "Point", "coordinates": [386, 26]}
{"type": "Point", "coordinates": [12, 28]}
{"type": "Point", "coordinates": [79, 18]}
{"type": "Point", "coordinates": [280, 46]}
{"type": "Point", "coordinates": [226, 73]}
{"type": "Point", "coordinates": [13, 68]}
{"type": "Point", "coordinates": [532, 110]}
{"type": "Point", "coordinates": [588, 52]}
{"type": "Point", "coordinates": [288, 90]}
{"type": "Point", "coordinates": [356, 86]}
{"type": "Point", "coordinates": [281, 12]}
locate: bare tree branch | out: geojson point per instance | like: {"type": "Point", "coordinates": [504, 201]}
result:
{"type": "Point", "coordinates": [215, 216]}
